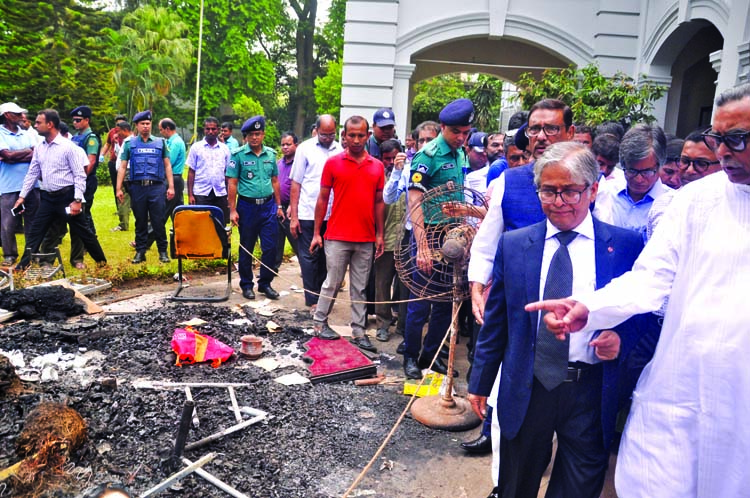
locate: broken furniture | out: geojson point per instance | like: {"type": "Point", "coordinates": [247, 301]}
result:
{"type": "Point", "coordinates": [199, 233]}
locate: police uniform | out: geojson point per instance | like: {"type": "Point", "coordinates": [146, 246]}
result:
{"type": "Point", "coordinates": [91, 144]}
{"type": "Point", "coordinates": [258, 205]}
{"type": "Point", "coordinates": [436, 164]}
{"type": "Point", "coordinates": [147, 188]}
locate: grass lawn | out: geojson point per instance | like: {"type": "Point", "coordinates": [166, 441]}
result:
{"type": "Point", "coordinates": [117, 248]}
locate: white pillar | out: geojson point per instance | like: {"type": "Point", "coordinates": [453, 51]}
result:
{"type": "Point", "coordinates": [401, 86]}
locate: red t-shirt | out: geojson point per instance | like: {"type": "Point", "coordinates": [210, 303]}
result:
{"type": "Point", "coordinates": [354, 187]}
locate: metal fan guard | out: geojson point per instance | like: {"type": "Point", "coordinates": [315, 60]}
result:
{"type": "Point", "coordinates": [448, 279]}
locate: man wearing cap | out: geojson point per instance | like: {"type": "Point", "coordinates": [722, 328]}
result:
{"type": "Point", "coordinates": [476, 177]}
{"type": "Point", "coordinates": [309, 160]}
{"type": "Point", "coordinates": [16, 150]}
{"type": "Point", "coordinates": [207, 169]}
{"type": "Point", "coordinates": [252, 176]}
{"type": "Point", "coordinates": [59, 164]}
{"type": "Point", "coordinates": [438, 163]}
{"type": "Point", "coordinates": [90, 143]}
{"type": "Point", "coordinates": [149, 167]}
{"type": "Point", "coordinates": [383, 128]}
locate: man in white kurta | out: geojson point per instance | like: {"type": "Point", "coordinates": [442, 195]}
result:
{"type": "Point", "coordinates": [688, 433]}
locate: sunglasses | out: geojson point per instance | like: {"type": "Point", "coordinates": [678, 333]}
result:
{"type": "Point", "coordinates": [77, 120]}
{"type": "Point", "coordinates": [736, 141]}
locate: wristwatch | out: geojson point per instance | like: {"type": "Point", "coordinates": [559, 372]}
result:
{"type": "Point", "coordinates": [281, 207]}
{"type": "Point", "coordinates": [77, 200]}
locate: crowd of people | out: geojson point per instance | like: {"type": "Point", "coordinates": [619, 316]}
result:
{"type": "Point", "coordinates": [646, 231]}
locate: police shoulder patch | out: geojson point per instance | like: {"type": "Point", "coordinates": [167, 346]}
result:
{"type": "Point", "coordinates": [232, 163]}
{"type": "Point", "coordinates": [422, 168]}
{"type": "Point", "coordinates": [92, 141]}
{"type": "Point", "coordinates": [416, 177]}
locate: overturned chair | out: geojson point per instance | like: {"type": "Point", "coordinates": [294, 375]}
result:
{"type": "Point", "coordinates": [199, 233]}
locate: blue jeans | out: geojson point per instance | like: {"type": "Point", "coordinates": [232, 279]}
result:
{"type": "Point", "coordinates": [257, 220]}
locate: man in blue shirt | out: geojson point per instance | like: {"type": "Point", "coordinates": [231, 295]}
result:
{"type": "Point", "coordinates": [16, 149]}
{"type": "Point", "coordinates": [643, 151]}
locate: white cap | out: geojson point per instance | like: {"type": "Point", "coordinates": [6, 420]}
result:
{"type": "Point", "coordinates": [11, 107]}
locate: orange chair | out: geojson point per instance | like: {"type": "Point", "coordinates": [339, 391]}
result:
{"type": "Point", "coordinates": [199, 233]}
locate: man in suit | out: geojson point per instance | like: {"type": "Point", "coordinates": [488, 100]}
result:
{"type": "Point", "coordinates": [550, 386]}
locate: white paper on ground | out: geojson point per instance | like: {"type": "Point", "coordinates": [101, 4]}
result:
{"type": "Point", "coordinates": [292, 379]}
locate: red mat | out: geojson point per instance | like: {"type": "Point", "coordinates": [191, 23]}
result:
{"type": "Point", "coordinates": [335, 361]}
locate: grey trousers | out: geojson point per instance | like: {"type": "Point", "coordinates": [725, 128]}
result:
{"type": "Point", "coordinates": [357, 256]}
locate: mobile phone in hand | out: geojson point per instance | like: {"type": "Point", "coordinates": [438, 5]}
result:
{"type": "Point", "coordinates": [18, 210]}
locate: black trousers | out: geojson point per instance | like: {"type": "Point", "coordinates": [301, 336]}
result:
{"type": "Point", "coordinates": [573, 411]}
{"type": "Point", "coordinates": [312, 265]}
{"type": "Point", "coordinates": [51, 213]}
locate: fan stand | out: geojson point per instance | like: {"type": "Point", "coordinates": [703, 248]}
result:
{"type": "Point", "coordinates": [445, 412]}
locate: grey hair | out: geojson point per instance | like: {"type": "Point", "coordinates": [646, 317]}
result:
{"type": "Point", "coordinates": [510, 139]}
{"type": "Point", "coordinates": [575, 157]}
{"type": "Point", "coordinates": [429, 125]}
{"type": "Point", "coordinates": [733, 94]}
{"type": "Point", "coordinates": [640, 141]}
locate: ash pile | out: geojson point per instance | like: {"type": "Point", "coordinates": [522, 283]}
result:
{"type": "Point", "coordinates": [119, 374]}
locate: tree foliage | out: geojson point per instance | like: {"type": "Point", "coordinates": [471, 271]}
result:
{"type": "Point", "coordinates": [328, 90]}
{"type": "Point", "coordinates": [593, 97]}
{"type": "Point", "coordinates": [432, 94]}
{"type": "Point", "coordinates": [153, 57]}
{"type": "Point", "coordinates": [53, 55]}
{"type": "Point", "coordinates": [486, 94]}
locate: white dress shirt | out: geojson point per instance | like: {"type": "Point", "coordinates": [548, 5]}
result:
{"type": "Point", "coordinates": [484, 245]}
{"type": "Point", "coordinates": [582, 255]}
{"type": "Point", "coordinates": [307, 169]}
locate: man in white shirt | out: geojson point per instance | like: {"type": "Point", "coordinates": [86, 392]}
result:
{"type": "Point", "coordinates": [309, 160]}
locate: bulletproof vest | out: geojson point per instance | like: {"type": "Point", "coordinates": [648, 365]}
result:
{"type": "Point", "coordinates": [146, 162]}
{"type": "Point", "coordinates": [81, 140]}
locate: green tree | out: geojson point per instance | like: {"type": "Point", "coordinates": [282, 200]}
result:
{"type": "Point", "coordinates": [153, 57]}
{"type": "Point", "coordinates": [328, 90]}
{"type": "Point", "coordinates": [432, 94]}
{"type": "Point", "coordinates": [593, 97]}
{"type": "Point", "coordinates": [53, 55]}
{"type": "Point", "coordinates": [486, 94]}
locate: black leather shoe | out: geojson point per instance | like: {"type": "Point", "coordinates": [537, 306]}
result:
{"type": "Point", "coordinates": [495, 493]}
{"type": "Point", "coordinates": [140, 257]}
{"type": "Point", "coordinates": [411, 370]}
{"type": "Point", "coordinates": [248, 294]}
{"type": "Point", "coordinates": [480, 446]}
{"type": "Point", "coordinates": [324, 331]}
{"type": "Point", "coordinates": [382, 335]}
{"type": "Point", "coordinates": [445, 351]}
{"type": "Point", "coordinates": [401, 348]}
{"type": "Point", "coordinates": [269, 292]}
{"type": "Point", "coordinates": [439, 366]}
{"type": "Point", "coordinates": [163, 258]}
{"type": "Point", "coordinates": [363, 343]}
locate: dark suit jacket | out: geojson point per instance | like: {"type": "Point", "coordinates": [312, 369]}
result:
{"type": "Point", "coordinates": [508, 335]}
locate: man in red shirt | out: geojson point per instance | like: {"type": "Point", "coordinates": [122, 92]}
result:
{"type": "Point", "coordinates": [355, 228]}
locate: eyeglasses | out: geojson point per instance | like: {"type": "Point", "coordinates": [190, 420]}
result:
{"type": "Point", "coordinates": [568, 196]}
{"type": "Point", "coordinates": [425, 140]}
{"type": "Point", "coordinates": [77, 120]}
{"type": "Point", "coordinates": [645, 173]}
{"type": "Point", "coordinates": [736, 141]}
{"type": "Point", "coordinates": [327, 135]}
{"type": "Point", "coordinates": [699, 165]}
{"type": "Point", "coordinates": [549, 130]}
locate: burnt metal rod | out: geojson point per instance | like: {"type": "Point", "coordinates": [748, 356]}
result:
{"type": "Point", "coordinates": [178, 475]}
{"type": "Point", "coordinates": [216, 481]}
{"type": "Point", "coordinates": [182, 432]}
{"type": "Point", "coordinates": [225, 432]}
{"type": "Point", "coordinates": [189, 396]}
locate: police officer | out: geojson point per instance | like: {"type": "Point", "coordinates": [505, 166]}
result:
{"type": "Point", "coordinates": [441, 161]}
{"type": "Point", "coordinates": [149, 167]}
{"type": "Point", "coordinates": [383, 128]}
{"type": "Point", "coordinates": [252, 176]}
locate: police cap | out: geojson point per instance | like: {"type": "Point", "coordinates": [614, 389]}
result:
{"type": "Point", "coordinates": [82, 111]}
{"type": "Point", "coordinates": [256, 123]}
{"type": "Point", "coordinates": [476, 140]}
{"type": "Point", "coordinates": [383, 117]}
{"type": "Point", "coordinates": [142, 116]}
{"type": "Point", "coordinates": [460, 112]}
{"type": "Point", "coordinates": [522, 141]}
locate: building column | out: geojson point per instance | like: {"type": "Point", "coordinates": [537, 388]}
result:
{"type": "Point", "coordinates": [743, 73]}
{"type": "Point", "coordinates": [401, 89]}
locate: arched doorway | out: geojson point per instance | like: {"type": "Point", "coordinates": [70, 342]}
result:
{"type": "Point", "coordinates": [686, 53]}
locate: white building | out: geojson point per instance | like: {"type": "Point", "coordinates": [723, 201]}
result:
{"type": "Point", "coordinates": [695, 47]}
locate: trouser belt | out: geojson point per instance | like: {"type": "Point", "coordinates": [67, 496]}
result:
{"type": "Point", "coordinates": [256, 200]}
